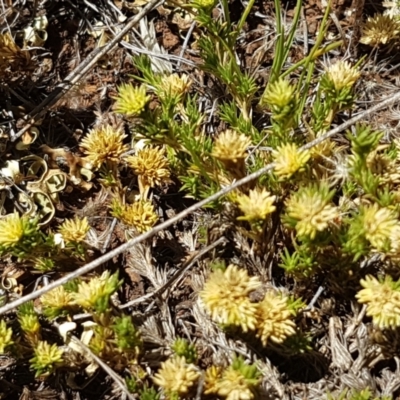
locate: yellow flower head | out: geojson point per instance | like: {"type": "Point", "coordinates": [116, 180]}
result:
{"type": "Point", "coordinates": [237, 382]}
{"type": "Point", "coordinates": [342, 75]}
{"type": "Point", "coordinates": [176, 376]}
{"type": "Point", "coordinates": [231, 146]}
{"type": "Point", "coordinates": [256, 206]}
{"type": "Point", "coordinates": [19, 235]}
{"type": "Point", "coordinates": [131, 100]}
{"type": "Point", "coordinates": [279, 95]}
{"type": "Point", "coordinates": [309, 211]}
{"type": "Point", "coordinates": [274, 319]}
{"type": "Point", "coordinates": [382, 299]}
{"type": "Point", "coordinates": [46, 359]}
{"type": "Point", "coordinates": [13, 228]}
{"type": "Point", "coordinates": [140, 215]}
{"type": "Point", "coordinates": [323, 149]}
{"type": "Point", "coordinates": [55, 301]}
{"type": "Point", "coordinates": [212, 377]}
{"type": "Point", "coordinates": [97, 291]}
{"type": "Point", "coordinates": [225, 297]}
{"type": "Point", "coordinates": [174, 85]}
{"type": "Point", "coordinates": [5, 337]}
{"type": "Point", "coordinates": [380, 29]}
{"type": "Point", "coordinates": [289, 159]}
{"type": "Point", "coordinates": [379, 224]}
{"type": "Point", "coordinates": [233, 386]}
{"type": "Point", "coordinates": [74, 230]}
{"type": "Point", "coordinates": [151, 165]}
{"type": "Point", "coordinates": [104, 144]}
{"type": "Point", "coordinates": [30, 324]}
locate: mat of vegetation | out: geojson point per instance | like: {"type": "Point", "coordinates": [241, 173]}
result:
{"type": "Point", "coordinates": [199, 199]}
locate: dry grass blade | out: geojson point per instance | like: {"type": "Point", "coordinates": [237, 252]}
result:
{"type": "Point", "coordinates": [178, 217]}
{"type": "Point", "coordinates": [178, 274]}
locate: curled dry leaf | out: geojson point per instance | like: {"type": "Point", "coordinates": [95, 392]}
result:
{"type": "Point", "coordinates": [77, 166]}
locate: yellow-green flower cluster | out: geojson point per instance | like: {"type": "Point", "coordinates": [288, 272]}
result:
{"type": "Point", "coordinates": [342, 75]}
{"type": "Point", "coordinates": [44, 264]}
{"type": "Point", "coordinates": [274, 318]}
{"type": "Point", "coordinates": [104, 145]}
{"type": "Point", "coordinates": [140, 214]}
{"type": "Point", "coordinates": [279, 94]}
{"type": "Point", "coordinates": [174, 85]}
{"type": "Point", "coordinates": [289, 159]}
{"type": "Point", "coordinates": [225, 296]}
{"type": "Point", "coordinates": [377, 228]}
{"type": "Point", "coordinates": [95, 294]}
{"type": "Point", "coordinates": [309, 210]}
{"type": "Point", "coordinates": [6, 334]}
{"type": "Point", "coordinates": [18, 235]}
{"type": "Point", "coordinates": [31, 327]}
{"type": "Point", "coordinates": [281, 98]}
{"type": "Point", "coordinates": [131, 100]}
{"type": "Point", "coordinates": [380, 226]}
{"type": "Point", "coordinates": [29, 322]}
{"type": "Point", "coordinates": [151, 165]}
{"type": "Point", "coordinates": [380, 30]}
{"type": "Point", "coordinates": [56, 302]}
{"type": "Point", "coordinates": [382, 298]}
{"type": "Point", "coordinates": [176, 376]}
{"type": "Point", "coordinates": [230, 148]}
{"type": "Point", "coordinates": [12, 229]}
{"type": "Point", "coordinates": [102, 344]}
{"type": "Point", "coordinates": [255, 206]}
{"type": "Point", "coordinates": [74, 230]}
{"type": "Point", "coordinates": [46, 358]}
{"type": "Point", "coordinates": [237, 382]}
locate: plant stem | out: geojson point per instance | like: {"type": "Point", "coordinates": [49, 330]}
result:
{"type": "Point", "coordinates": [243, 19]}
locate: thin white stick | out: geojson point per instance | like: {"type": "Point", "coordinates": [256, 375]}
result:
{"type": "Point", "coordinates": [185, 43]}
{"type": "Point", "coordinates": [114, 376]}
